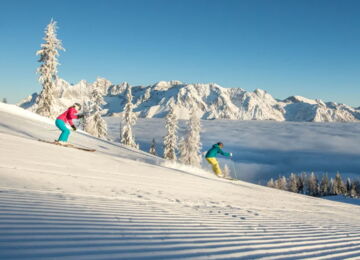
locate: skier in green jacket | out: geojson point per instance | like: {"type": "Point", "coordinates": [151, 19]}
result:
{"type": "Point", "coordinates": [211, 157]}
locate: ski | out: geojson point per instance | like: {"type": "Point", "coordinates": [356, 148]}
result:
{"type": "Point", "coordinates": [226, 178]}
{"type": "Point", "coordinates": [68, 145]}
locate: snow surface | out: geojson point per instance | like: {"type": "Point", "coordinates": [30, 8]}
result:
{"type": "Point", "coordinates": [121, 203]}
{"type": "Point", "coordinates": [211, 100]}
{"type": "Point", "coordinates": [266, 149]}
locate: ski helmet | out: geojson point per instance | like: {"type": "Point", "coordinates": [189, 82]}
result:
{"type": "Point", "coordinates": [77, 105]}
{"type": "Point", "coordinates": [220, 144]}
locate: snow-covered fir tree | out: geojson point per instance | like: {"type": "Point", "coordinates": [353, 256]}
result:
{"type": "Point", "coordinates": [353, 193]}
{"type": "Point", "coordinates": [331, 187]}
{"type": "Point", "coordinates": [190, 146]}
{"type": "Point", "coordinates": [303, 183]}
{"type": "Point", "coordinates": [356, 187]}
{"type": "Point", "coordinates": [312, 184]}
{"type": "Point", "coordinates": [294, 183]}
{"type": "Point", "coordinates": [308, 184]}
{"type": "Point", "coordinates": [339, 186]}
{"type": "Point", "coordinates": [94, 124]}
{"type": "Point", "coordinates": [48, 70]}
{"type": "Point", "coordinates": [324, 185]}
{"type": "Point", "coordinates": [129, 120]}
{"type": "Point", "coordinates": [86, 112]}
{"type": "Point", "coordinates": [170, 140]}
{"type": "Point", "coordinates": [281, 183]}
{"type": "Point", "coordinates": [271, 183]}
{"type": "Point", "coordinates": [153, 147]}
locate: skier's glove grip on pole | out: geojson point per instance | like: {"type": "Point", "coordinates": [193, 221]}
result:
{"type": "Point", "coordinates": [73, 127]}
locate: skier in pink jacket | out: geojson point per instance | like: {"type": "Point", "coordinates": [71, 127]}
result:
{"type": "Point", "coordinates": [67, 117]}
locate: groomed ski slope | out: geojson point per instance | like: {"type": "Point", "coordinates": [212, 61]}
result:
{"type": "Point", "coordinates": [119, 203]}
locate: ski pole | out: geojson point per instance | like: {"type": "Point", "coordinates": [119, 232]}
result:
{"type": "Point", "coordinates": [233, 163]}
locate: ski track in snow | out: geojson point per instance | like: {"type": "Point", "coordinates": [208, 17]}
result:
{"type": "Point", "coordinates": [37, 225]}
{"type": "Point", "coordinates": [120, 203]}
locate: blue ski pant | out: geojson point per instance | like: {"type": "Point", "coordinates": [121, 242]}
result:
{"type": "Point", "coordinates": [65, 132]}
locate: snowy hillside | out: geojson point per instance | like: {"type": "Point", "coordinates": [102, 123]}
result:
{"type": "Point", "coordinates": [120, 203]}
{"type": "Point", "coordinates": [212, 100]}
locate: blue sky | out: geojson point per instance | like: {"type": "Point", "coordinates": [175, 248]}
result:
{"type": "Point", "coordinates": [286, 47]}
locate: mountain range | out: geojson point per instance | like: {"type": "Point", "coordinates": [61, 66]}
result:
{"type": "Point", "coordinates": [210, 100]}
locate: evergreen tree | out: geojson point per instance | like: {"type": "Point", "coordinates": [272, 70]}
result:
{"type": "Point", "coordinates": [271, 183]}
{"type": "Point", "coordinates": [190, 146]}
{"type": "Point", "coordinates": [4, 100]}
{"type": "Point", "coordinates": [348, 186]}
{"type": "Point", "coordinates": [48, 70]}
{"type": "Point", "coordinates": [352, 191]}
{"type": "Point", "coordinates": [324, 186]}
{"type": "Point", "coordinates": [281, 183]}
{"type": "Point", "coordinates": [294, 183]}
{"type": "Point", "coordinates": [170, 140]}
{"type": "Point", "coordinates": [302, 183]}
{"type": "Point", "coordinates": [86, 112]}
{"type": "Point", "coordinates": [312, 184]}
{"type": "Point", "coordinates": [129, 120]}
{"type": "Point", "coordinates": [94, 124]}
{"type": "Point", "coordinates": [356, 185]}
{"type": "Point", "coordinates": [153, 147]}
{"type": "Point", "coordinates": [339, 187]}
{"type": "Point", "coordinates": [332, 187]}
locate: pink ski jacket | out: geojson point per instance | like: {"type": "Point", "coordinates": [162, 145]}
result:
{"type": "Point", "coordinates": [68, 115]}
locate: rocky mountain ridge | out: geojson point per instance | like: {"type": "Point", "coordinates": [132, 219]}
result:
{"type": "Point", "coordinates": [211, 101]}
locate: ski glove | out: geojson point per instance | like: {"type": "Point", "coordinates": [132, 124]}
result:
{"type": "Point", "coordinates": [73, 127]}
{"type": "Point", "coordinates": [230, 154]}
{"type": "Point", "coordinates": [80, 116]}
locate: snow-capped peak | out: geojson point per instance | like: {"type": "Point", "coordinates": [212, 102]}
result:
{"type": "Point", "coordinates": [211, 100]}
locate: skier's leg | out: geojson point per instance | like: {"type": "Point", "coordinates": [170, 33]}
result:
{"type": "Point", "coordinates": [215, 166]}
{"type": "Point", "coordinates": [65, 132]}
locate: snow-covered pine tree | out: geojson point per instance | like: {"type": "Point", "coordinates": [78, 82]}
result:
{"type": "Point", "coordinates": [48, 70]}
{"type": "Point", "coordinates": [190, 146]}
{"type": "Point", "coordinates": [353, 193]}
{"type": "Point", "coordinates": [325, 185]}
{"type": "Point", "coordinates": [271, 183]}
{"type": "Point", "coordinates": [312, 184]}
{"type": "Point", "coordinates": [281, 183]}
{"type": "Point", "coordinates": [332, 187]}
{"type": "Point", "coordinates": [170, 140]}
{"type": "Point", "coordinates": [153, 147]}
{"type": "Point", "coordinates": [356, 185]}
{"type": "Point", "coordinates": [348, 186]}
{"type": "Point", "coordinates": [293, 183]}
{"type": "Point", "coordinates": [94, 124]}
{"type": "Point", "coordinates": [339, 187]}
{"type": "Point", "coordinates": [303, 189]}
{"type": "Point", "coordinates": [129, 120]}
{"type": "Point", "coordinates": [86, 113]}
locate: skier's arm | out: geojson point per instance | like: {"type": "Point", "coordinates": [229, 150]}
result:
{"type": "Point", "coordinates": [224, 153]}
{"type": "Point", "coordinates": [71, 115]}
